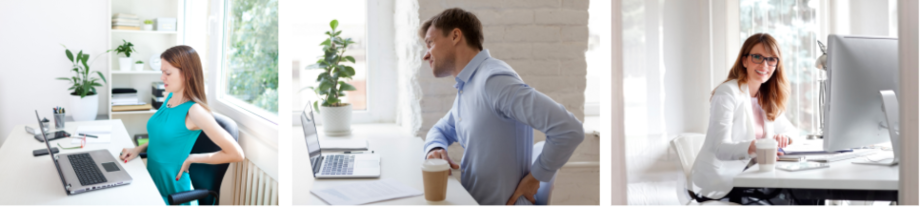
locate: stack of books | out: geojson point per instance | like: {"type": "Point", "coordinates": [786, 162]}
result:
{"type": "Point", "coordinates": [126, 99]}
{"type": "Point", "coordinates": [123, 21]}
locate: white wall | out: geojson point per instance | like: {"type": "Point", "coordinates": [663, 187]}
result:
{"type": "Point", "coordinates": [32, 56]}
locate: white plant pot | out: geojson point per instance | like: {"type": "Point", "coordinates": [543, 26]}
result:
{"type": "Point", "coordinates": [83, 109]}
{"type": "Point", "coordinates": [336, 120]}
{"type": "Point", "coordinates": [124, 64]}
{"type": "Point", "coordinates": [148, 27]}
{"type": "Point", "coordinates": [138, 66]}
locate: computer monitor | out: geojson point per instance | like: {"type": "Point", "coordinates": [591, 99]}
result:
{"type": "Point", "coordinates": [858, 67]}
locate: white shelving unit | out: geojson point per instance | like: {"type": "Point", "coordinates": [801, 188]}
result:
{"type": "Point", "coordinates": [147, 44]}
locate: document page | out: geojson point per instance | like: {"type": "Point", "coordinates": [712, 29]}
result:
{"type": "Point", "coordinates": [103, 134]}
{"type": "Point", "coordinates": [358, 193]}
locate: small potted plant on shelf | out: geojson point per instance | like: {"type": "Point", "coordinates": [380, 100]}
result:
{"type": "Point", "coordinates": [148, 25]}
{"type": "Point", "coordinates": [124, 63]}
{"type": "Point", "coordinates": [139, 65]}
{"type": "Point", "coordinates": [84, 103]}
{"type": "Point", "coordinates": [336, 115]}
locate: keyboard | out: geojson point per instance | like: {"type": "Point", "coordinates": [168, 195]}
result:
{"type": "Point", "coordinates": [86, 169]}
{"type": "Point", "coordinates": [338, 165]}
{"type": "Point", "coordinates": [840, 156]}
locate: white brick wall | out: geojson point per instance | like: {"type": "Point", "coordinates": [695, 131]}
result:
{"type": "Point", "coordinates": [543, 40]}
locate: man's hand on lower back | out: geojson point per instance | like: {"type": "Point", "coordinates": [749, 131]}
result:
{"type": "Point", "coordinates": [527, 187]}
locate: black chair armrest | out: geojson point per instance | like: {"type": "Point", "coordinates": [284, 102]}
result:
{"type": "Point", "coordinates": [188, 196]}
{"type": "Point", "coordinates": [142, 155]}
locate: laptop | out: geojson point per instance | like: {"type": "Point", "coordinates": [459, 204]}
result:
{"type": "Point", "coordinates": [87, 171]}
{"type": "Point", "coordinates": [336, 165]}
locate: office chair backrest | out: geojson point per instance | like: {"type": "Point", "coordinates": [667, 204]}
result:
{"type": "Point", "coordinates": [687, 147]}
{"type": "Point", "coordinates": [207, 176]}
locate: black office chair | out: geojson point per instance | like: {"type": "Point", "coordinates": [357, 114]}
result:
{"type": "Point", "coordinates": [206, 178]}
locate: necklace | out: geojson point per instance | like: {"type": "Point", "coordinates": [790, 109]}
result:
{"type": "Point", "coordinates": [170, 105]}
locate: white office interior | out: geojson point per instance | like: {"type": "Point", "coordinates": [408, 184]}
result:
{"type": "Point", "coordinates": [403, 99]}
{"type": "Point", "coordinates": [674, 53]}
{"type": "Point", "coordinates": [88, 26]}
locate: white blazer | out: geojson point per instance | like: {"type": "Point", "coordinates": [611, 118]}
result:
{"type": "Point", "coordinates": [731, 130]}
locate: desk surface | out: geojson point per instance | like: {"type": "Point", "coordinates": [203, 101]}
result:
{"type": "Point", "coordinates": [400, 160]}
{"type": "Point", "coordinates": [30, 180]}
{"type": "Point", "coordinates": [841, 175]}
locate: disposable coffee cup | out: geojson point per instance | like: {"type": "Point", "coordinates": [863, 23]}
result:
{"type": "Point", "coordinates": [766, 154]}
{"type": "Point", "coordinates": [434, 175]}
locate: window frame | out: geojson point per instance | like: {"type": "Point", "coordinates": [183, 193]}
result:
{"type": "Point", "coordinates": [381, 69]}
{"type": "Point", "coordinates": [259, 125]}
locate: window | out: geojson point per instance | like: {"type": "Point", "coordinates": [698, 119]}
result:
{"type": "Point", "coordinates": [369, 25]}
{"type": "Point", "coordinates": [249, 72]}
{"type": "Point", "coordinates": [309, 28]}
{"type": "Point", "coordinates": [792, 23]}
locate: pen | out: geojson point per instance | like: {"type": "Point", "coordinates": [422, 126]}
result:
{"type": "Point", "coordinates": [88, 135]}
{"type": "Point", "coordinates": [359, 152]}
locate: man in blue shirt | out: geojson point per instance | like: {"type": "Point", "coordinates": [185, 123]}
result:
{"type": "Point", "coordinates": [493, 116]}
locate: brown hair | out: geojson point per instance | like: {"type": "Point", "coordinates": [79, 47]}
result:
{"type": "Point", "coordinates": [773, 93]}
{"type": "Point", "coordinates": [187, 61]}
{"type": "Point", "coordinates": [453, 18]}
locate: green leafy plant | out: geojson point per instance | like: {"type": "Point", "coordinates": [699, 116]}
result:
{"type": "Point", "coordinates": [83, 84]}
{"type": "Point", "coordinates": [127, 48]}
{"type": "Point", "coordinates": [139, 62]}
{"type": "Point", "coordinates": [148, 21]}
{"type": "Point", "coordinates": [331, 88]}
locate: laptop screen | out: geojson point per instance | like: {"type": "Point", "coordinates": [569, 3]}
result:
{"type": "Point", "coordinates": [309, 132]}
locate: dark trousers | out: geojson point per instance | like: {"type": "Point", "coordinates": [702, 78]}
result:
{"type": "Point", "coordinates": [771, 196]}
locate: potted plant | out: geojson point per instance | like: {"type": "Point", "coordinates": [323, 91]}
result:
{"type": "Point", "coordinates": [127, 48]}
{"type": "Point", "coordinates": [84, 103]}
{"type": "Point", "coordinates": [148, 25]}
{"type": "Point", "coordinates": [336, 115]}
{"type": "Point", "coordinates": [139, 65]}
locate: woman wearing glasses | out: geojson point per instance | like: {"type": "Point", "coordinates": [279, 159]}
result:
{"type": "Point", "coordinates": [748, 106]}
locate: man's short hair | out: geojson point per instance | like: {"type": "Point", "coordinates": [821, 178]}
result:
{"type": "Point", "coordinates": [456, 18]}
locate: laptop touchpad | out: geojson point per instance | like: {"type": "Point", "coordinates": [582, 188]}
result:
{"type": "Point", "coordinates": [110, 166]}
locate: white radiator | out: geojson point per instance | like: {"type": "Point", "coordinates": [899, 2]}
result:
{"type": "Point", "coordinates": [250, 185]}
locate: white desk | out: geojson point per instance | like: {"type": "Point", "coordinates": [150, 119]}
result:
{"type": "Point", "coordinates": [400, 160]}
{"type": "Point", "coordinates": [29, 180]}
{"type": "Point", "coordinates": [841, 176]}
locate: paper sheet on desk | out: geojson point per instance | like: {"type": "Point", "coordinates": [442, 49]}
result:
{"type": "Point", "coordinates": [103, 133]}
{"type": "Point", "coordinates": [358, 193]}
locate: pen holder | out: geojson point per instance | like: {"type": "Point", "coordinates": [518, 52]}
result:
{"type": "Point", "coordinates": [59, 121]}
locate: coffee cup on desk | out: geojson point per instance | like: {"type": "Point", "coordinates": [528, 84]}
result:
{"type": "Point", "coordinates": [766, 154]}
{"type": "Point", "coordinates": [434, 174]}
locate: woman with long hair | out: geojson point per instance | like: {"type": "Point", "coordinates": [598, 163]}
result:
{"type": "Point", "coordinates": [748, 106]}
{"type": "Point", "coordinates": [176, 125]}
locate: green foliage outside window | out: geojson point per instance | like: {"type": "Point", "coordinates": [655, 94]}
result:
{"type": "Point", "coordinates": [252, 52]}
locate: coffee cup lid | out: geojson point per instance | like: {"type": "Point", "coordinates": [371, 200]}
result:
{"type": "Point", "coordinates": [766, 143]}
{"type": "Point", "coordinates": [434, 165]}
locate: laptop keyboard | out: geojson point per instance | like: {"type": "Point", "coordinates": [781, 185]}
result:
{"type": "Point", "coordinates": [339, 165]}
{"type": "Point", "coordinates": [85, 168]}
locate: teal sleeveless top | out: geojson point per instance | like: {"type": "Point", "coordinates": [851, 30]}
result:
{"type": "Point", "coordinates": [170, 144]}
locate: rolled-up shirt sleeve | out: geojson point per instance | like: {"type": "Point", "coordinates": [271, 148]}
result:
{"type": "Point", "coordinates": [511, 98]}
{"type": "Point", "coordinates": [442, 134]}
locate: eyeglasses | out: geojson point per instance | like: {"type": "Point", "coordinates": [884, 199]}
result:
{"type": "Point", "coordinates": [757, 58]}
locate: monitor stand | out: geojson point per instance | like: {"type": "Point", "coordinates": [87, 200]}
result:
{"type": "Point", "coordinates": [890, 109]}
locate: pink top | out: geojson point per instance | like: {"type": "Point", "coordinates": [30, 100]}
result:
{"type": "Point", "coordinates": [759, 131]}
